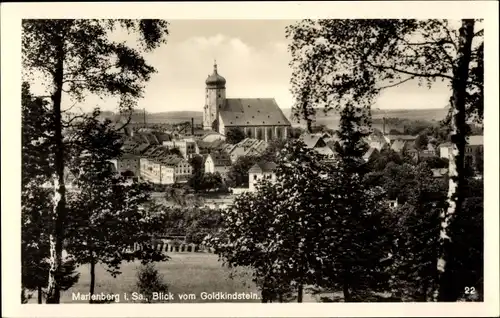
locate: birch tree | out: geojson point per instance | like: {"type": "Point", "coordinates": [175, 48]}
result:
{"type": "Point", "coordinates": [78, 57]}
{"type": "Point", "coordinates": [107, 214]}
{"type": "Point", "coordinates": [337, 62]}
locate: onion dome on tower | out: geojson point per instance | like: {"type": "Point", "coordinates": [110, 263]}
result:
{"type": "Point", "coordinates": [215, 80]}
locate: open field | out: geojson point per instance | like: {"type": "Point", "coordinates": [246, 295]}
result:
{"type": "Point", "coordinates": [185, 273]}
{"type": "Point", "coordinates": [190, 273]}
{"type": "Point", "coordinates": [331, 120]}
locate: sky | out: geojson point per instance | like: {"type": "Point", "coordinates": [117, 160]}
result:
{"type": "Point", "coordinates": [252, 55]}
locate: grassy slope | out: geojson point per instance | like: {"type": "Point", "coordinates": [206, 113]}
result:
{"type": "Point", "coordinates": [184, 273]}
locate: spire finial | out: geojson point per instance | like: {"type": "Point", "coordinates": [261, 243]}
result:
{"type": "Point", "coordinates": [215, 65]}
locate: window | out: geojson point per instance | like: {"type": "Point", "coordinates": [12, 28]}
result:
{"type": "Point", "coordinates": [255, 177]}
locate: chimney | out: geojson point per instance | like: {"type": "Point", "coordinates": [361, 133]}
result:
{"type": "Point", "coordinates": [144, 109]}
{"type": "Point", "coordinates": [192, 126]}
{"type": "Point", "coordinates": [383, 127]}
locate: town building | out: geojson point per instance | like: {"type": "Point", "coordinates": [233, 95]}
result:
{"type": "Point", "coordinates": [390, 139]}
{"type": "Point", "coordinates": [187, 147]}
{"type": "Point", "coordinates": [261, 171]}
{"type": "Point", "coordinates": [128, 165]}
{"type": "Point", "coordinates": [165, 170]}
{"type": "Point", "coordinates": [474, 150]}
{"type": "Point", "coordinates": [317, 143]}
{"type": "Point", "coordinates": [218, 162]}
{"type": "Point", "coordinates": [222, 203]}
{"type": "Point", "coordinates": [259, 118]}
{"type": "Point", "coordinates": [205, 148]}
{"type": "Point", "coordinates": [247, 147]}
{"type": "Point", "coordinates": [371, 153]}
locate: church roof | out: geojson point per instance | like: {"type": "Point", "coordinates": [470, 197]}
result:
{"type": "Point", "coordinates": [252, 112]}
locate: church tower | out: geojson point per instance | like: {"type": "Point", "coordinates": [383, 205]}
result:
{"type": "Point", "coordinates": [215, 98]}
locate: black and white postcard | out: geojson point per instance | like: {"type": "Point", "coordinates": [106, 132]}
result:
{"type": "Point", "coordinates": [255, 159]}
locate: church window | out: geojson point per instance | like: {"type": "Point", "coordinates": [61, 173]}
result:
{"type": "Point", "coordinates": [259, 133]}
{"type": "Point", "coordinates": [269, 133]}
{"type": "Point", "coordinates": [248, 122]}
{"type": "Point", "coordinates": [253, 116]}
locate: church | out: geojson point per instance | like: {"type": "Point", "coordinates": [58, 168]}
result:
{"type": "Point", "coordinates": [259, 118]}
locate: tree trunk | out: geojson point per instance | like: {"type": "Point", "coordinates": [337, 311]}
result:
{"type": "Point", "coordinates": [425, 290]}
{"type": "Point", "coordinates": [280, 297]}
{"type": "Point", "coordinates": [59, 199]}
{"type": "Point", "coordinates": [445, 289]}
{"type": "Point", "coordinates": [92, 280]}
{"type": "Point", "coordinates": [347, 294]}
{"type": "Point", "coordinates": [345, 285]}
{"type": "Point", "coordinates": [300, 292]}
{"type": "Point", "coordinates": [40, 299]}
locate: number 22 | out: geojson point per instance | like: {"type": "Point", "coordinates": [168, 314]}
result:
{"type": "Point", "coordinates": [470, 290]}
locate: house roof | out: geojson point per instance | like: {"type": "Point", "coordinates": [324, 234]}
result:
{"type": "Point", "coordinates": [325, 151]}
{"type": "Point", "coordinates": [252, 112]}
{"type": "Point", "coordinates": [155, 152]}
{"type": "Point", "coordinates": [228, 148]}
{"type": "Point", "coordinates": [475, 140]}
{"type": "Point", "coordinates": [141, 148]}
{"type": "Point", "coordinates": [128, 155]}
{"type": "Point", "coordinates": [216, 144]}
{"type": "Point", "coordinates": [208, 134]}
{"type": "Point", "coordinates": [203, 132]}
{"type": "Point", "coordinates": [438, 173]}
{"type": "Point", "coordinates": [250, 143]}
{"type": "Point", "coordinates": [369, 153]}
{"type": "Point", "coordinates": [401, 137]}
{"type": "Point", "coordinates": [220, 159]}
{"type": "Point", "coordinates": [398, 145]}
{"type": "Point", "coordinates": [171, 161]}
{"type": "Point", "coordinates": [261, 167]}
{"type": "Point", "coordinates": [445, 144]}
{"type": "Point", "coordinates": [331, 143]}
{"type": "Point", "coordinates": [161, 136]}
{"type": "Point", "coordinates": [312, 140]}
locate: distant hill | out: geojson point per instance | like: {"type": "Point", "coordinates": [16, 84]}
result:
{"type": "Point", "coordinates": [160, 118]}
{"type": "Point", "coordinates": [330, 120]}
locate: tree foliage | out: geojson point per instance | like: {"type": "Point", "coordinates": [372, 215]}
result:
{"type": "Point", "coordinates": [150, 281]}
{"type": "Point", "coordinates": [238, 173]}
{"type": "Point", "coordinates": [74, 58]}
{"type": "Point", "coordinates": [196, 179]}
{"type": "Point", "coordinates": [297, 231]}
{"type": "Point", "coordinates": [342, 62]}
{"type": "Point", "coordinates": [337, 61]}
{"type": "Point", "coordinates": [234, 135]}
{"type": "Point", "coordinates": [107, 212]}
{"type": "Point", "coordinates": [38, 163]}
